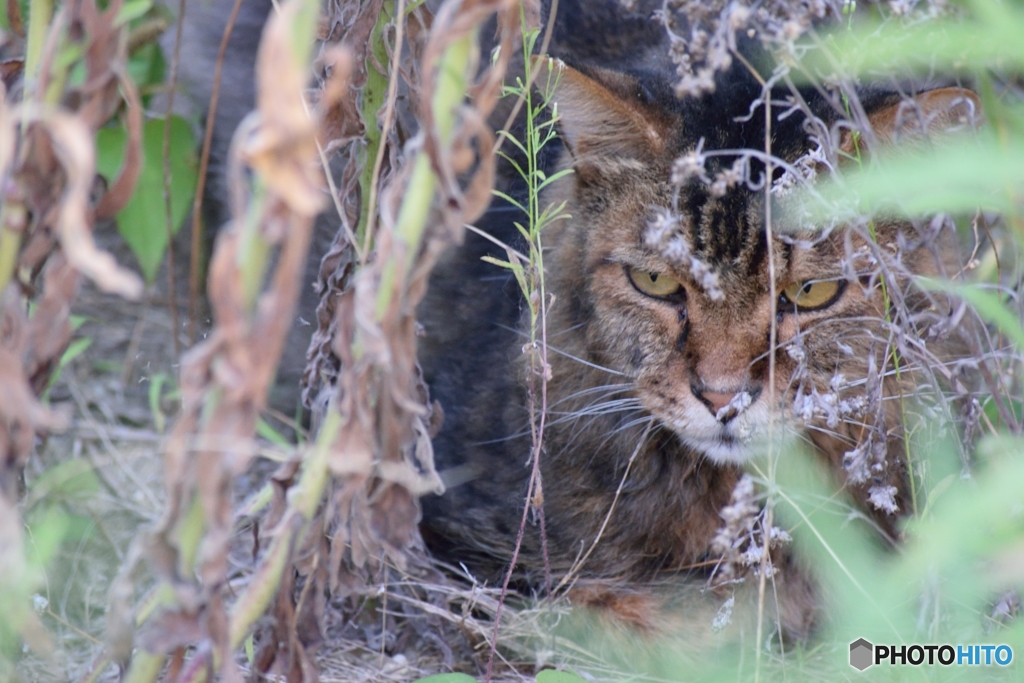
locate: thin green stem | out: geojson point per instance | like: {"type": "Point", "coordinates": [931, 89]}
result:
{"type": "Point", "coordinates": [868, 595]}
{"type": "Point", "coordinates": [374, 95]}
{"type": "Point", "coordinates": [40, 12]}
{"type": "Point", "coordinates": [145, 667]}
{"type": "Point", "coordinates": [768, 517]}
{"type": "Point", "coordinates": [10, 243]}
{"type": "Point", "coordinates": [253, 251]}
{"type": "Point", "coordinates": [419, 194]}
{"type": "Point", "coordinates": [189, 532]}
{"type": "Point", "coordinates": [253, 602]}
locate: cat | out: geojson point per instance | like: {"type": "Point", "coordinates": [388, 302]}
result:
{"type": "Point", "coordinates": [641, 352]}
{"type": "Point", "coordinates": [660, 335]}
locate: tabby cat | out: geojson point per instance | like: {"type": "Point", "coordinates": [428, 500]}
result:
{"type": "Point", "coordinates": [661, 334]}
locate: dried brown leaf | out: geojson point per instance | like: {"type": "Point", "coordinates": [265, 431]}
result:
{"type": "Point", "coordinates": [105, 58]}
{"type": "Point", "coordinates": [171, 629]}
{"type": "Point", "coordinates": [340, 121]}
{"type": "Point", "coordinates": [49, 330]}
{"type": "Point", "coordinates": [225, 379]}
{"type": "Point", "coordinates": [73, 145]}
{"type": "Point", "coordinates": [118, 194]}
{"type": "Point", "coordinates": [283, 146]}
{"type": "Point", "coordinates": [14, 18]}
{"type": "Point", "coordinates": [22, 416]}
{"type": "Point", "coordinates": [383, 455]}
{"type": "Point", "coordinates": [11, 69]}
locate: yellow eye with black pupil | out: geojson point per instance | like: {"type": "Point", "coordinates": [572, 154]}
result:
{"type": "Point", "coordinates": [810, 295]}
{"type": "Point", "coordinates": [654, 284]}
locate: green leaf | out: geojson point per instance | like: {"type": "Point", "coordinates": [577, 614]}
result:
{"type": "Point", "coordinates": [264, 429]}
{"type": "Point", "coordinates": [146, 65]}
{"type": "Point", "coordinates": [955, 176]}
{"type": "Point", "coordinates": [110, 367]}
{"type": "Point", "coordinates": [447, 678]}
{"type": "Point", "coordinates": [131, 10]}
{"type": "Point", "coordinates": [70, 480]}
{"type": "Point", "coordinates": [47, 530]}
{"type": "Point", "coordinates": [507, 198]}
{"type": "Point", "coordinates": [973, 521]}
{"type": "Point", "coordinates": [156, 390]}
{"type": "Point", "coordinates": [552, 676]}
{"type": "Point", "coordinates": [520, 146]}
{"type": "Point", "coordinates": [142, 221]}
{"type": "Point", "coordinates": [67, 54]}
{"type": "Point", "coordinates": [937, 492]}
{"type": "Point", "coordinates": [498, 262]}
{"type": "Point", "coordinates": [75, 349]}
{"type": "Point", "coordinates": [552, 178]}
{"type": "Point", "coordinates": [990, 39]}
{"type": "Point", "coordinates": [991, 409]}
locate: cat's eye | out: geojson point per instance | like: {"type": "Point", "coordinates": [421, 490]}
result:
{"type": "Point", "coordinates": [657, 285]}
{"type": "Point", "coordinates": [811, 295]}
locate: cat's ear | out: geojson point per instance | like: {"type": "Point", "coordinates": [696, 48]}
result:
{"type": "Point", "coordinates": [600, 113]}
{"type": "Point", "coordinates": [930, 114]}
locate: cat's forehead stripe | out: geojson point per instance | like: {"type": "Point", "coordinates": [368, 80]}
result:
{"type": "Point", "coordinates": [725, 230]}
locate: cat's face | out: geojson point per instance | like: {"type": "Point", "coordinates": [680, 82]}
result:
{"type": "Point", "coordinates": [718, 337]}
{"type": "Point", "coordinates": [700, 360]}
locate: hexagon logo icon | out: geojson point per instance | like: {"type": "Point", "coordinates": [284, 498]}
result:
{"type": "Point", "coordinates": [861, 654]}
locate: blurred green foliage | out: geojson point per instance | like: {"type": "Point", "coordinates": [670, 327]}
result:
{"type": "Point", "coordinates": [142, 222]}
{"type": "Point", "coordinates": [52, 520]}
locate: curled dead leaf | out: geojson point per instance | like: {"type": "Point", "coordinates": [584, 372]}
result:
{"type": "Point", "coordinates": [11, 70]}
{"type": "Point", "coordinates": [118, 193]}
{"type": "Point", "coordinates": [282, 147]}
{"type": "Point", "coordinates": [14, 18]}
{"type": "Point", "coordinates": [72, 143]}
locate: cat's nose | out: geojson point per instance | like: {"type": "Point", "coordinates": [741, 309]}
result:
{"type": "Point", "coordinates": [724, 405]}
{"type": "Point", "coordinates": [715, 400]}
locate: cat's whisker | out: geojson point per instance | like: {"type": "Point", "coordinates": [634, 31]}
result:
{"type": "Point", "coordinates": [567, 330]}
{"type": "Point", "coordinates": [587, 363]}
{"type": "Point", "coordinates": [810, 427]}
{"type": "Point", "coordinates": [593, 411]}
{"type": "Point", "coordinates": [565, 354]}
{"type": "Point", "coordinates": [802, 436]}
{"type": "Point", "coordinates": [646, 419]}
{"type": "Point", "coordinates": [584, 422]}
{"type": "Point", "coordinates": [604, 389]}
{"type": "Point", "coordinates": [602, 408]}
{"type": "Point", "coordinates": [632, 423]}
{"type": "Point", "coordinates": [581, 426]}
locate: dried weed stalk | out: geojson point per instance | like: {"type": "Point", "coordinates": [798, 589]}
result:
{"type": "Point", "coordinates": [364, 371]}
{"type": "Point", "coordinates": [49, 208]}
{"type": "Point", "coordinates": [224, 380]}
{"type": "Point", "coordinates": [362, 379]}
{"type": "Point", "coordinates": [372, 456]}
